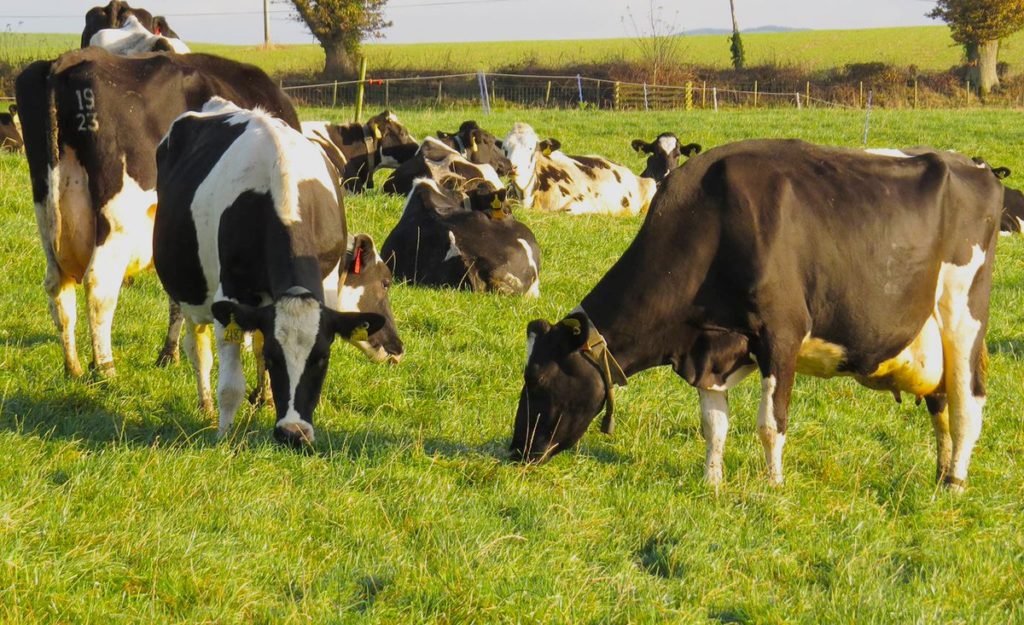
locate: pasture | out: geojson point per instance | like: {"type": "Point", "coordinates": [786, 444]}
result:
{"type": "Point", "coordinates": [118, 504]}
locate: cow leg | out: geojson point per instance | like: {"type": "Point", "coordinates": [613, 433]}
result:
{"type": "Point", "coordinates": [64, 310]}
{"type": "Point", "coordinates": [773, 414]}
{"type": "Point", "coordinates": [103, 281]}
{"type": "Point", "coordinates": [197, 348]}
{"type": "Point", "coordinates": [230, 380]}
{"type": "Point", "coordinates": [714, 426]}
{"type": "Point", "coordinates": [261, 393]}
{"type": "Point", "coordinates": [939, 410]}
{"type": "Point", "coordinates": [169, 353]}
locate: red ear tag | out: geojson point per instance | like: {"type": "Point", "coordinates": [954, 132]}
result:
{"type": "Point", "coordinates": [357, 266]}
{"type": "Point", "coordinates": [157, 31]}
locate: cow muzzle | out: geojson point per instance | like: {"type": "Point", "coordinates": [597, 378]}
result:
{"type": "Point", "coordinates": [296, 434]}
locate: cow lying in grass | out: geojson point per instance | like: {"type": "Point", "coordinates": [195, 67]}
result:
{"type": "Point", "coordinates": [544, 178]}
{"type": "Point", "coordinates": [250, 223]}
{"type": "Point", "coordinates": [460, 233]}
{"type": "Point", "coordinates": [477, 146]}
{"type": "Point", "coordinates": [774, 256]}
{"type": "Point", "coordinates": [359, 150]}
{"type": "Point", "coordinates": [663, 154]}
{"type": "Point", "coordinates": [10, 135]}
{"type": "Point", "coordinates": [436, 158]}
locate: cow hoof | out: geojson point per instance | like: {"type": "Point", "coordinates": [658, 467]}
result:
{"type": "Point", "coordinates": [206, 405]}
{"type": "Point", "coordinates": [105, 370]}
{"type": "Point", "coordinates": [713, 477]}
{"type": "Point", "coordinates": [167, 358]}
{"type": "Point", "coordinates": [74, 370]}
{"type": "Point", "coordinates": [294, 435]}
{"type": "Point", "coordinates": [954, 485]}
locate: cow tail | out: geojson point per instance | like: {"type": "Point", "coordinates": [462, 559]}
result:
{"type": "Point", "coordinates": [284, 182]}
{"type": "Point", "coordinates": [53, 160]}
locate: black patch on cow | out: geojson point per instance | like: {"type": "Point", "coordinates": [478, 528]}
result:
{"type": "Point", "coordinates": [550, 175]}
{"type": "Point", "coordinates": [618, 177]}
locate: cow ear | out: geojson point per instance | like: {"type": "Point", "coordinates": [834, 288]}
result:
{"type": "Point", "coordinates": [353, 327]}
{"type": "Point", "coordinates": [641, 146]}
{"type": "Point", "coordinates": [500, 144]}
{"type": "Point", "coordinates": [363, 253]}
{"type": "Point", "coordinates": [548, 146]}
{"type": "Point", "coordinates": [13, 109]}
{"type": "Point", "coordinates": [575, 330]}
{"type": "Point", "coordinates": [691, 149]}
{"type": "Point", "coordinates": [1001, 172]}
{"type": "Point", "coordinates": [434, 151]}
{"type": "Point", "coordinates": [537, 327]}
{"type": "Point", "coordinates": [249, 318]}
{"type": "Point", "coordinates": [443, 135]}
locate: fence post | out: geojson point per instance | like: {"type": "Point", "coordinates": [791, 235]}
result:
{"type": "Point", "coordinates": [915, 93]}
{"type": "Point", "coordinates": [485, 100]}
{"type": "Point", "coordinates": [967, 94]}
{"type": "Point", "coordinates": [579, 86]}
{"type": "Point", "coordinates": [755, 94]}
{"type": "Point", "coordinates": [439, 83]}
{"type": "Point", "coordinates": [598, 93]}
{"type": "Point", "coordinates": [689, 95]}
{"type": "Point", "coordinates": [387, 95]}
{"type": "Point", "coordinates": [807, 95]}
{"type": "Point", "coordinates": [714, 97]}
{"type": "Point", "coordinates": [361, 90]}
{"type": "Point", "coordinates": [860, 98]}
{"type": "Point", "coordinates": [334, 95]}
{"type": "Point", "coordinates": [704, 95]}
{"type": "Point", "coordinates": [617, 95]}
{"type": "Point", "coordinates": [547, 96]}
{"type": "Point", "coordinates": [646, 105]}
{"type": "Point", "coordinates": [798, 107]}
{"type": "Point", "coordinates": [867, 119]}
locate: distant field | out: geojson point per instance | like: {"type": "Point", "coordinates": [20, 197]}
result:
{"type": "Point", "coordinates": [118, 505]}
{"type": "Point", "coordinates": [929, 47]}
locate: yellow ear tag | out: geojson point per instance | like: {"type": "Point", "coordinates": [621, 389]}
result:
{"type": "Point", "coordinates": [360, 334]}
{"type": "Point", "coordinates": [496, 203]}
{"type": "Point", "coordinates": [547, 151]}
{"type": "Point", "coordinates": [376, 131]}
{"type": "Point", "coordinates": [572, 324]}
{"type": "Point", "coordinates": [472, 145]}
{"type": "Point", "coordinates": [233, 332]}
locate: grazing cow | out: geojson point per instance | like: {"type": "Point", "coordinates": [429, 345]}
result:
{"type": "Point", "coordinates": [545, 178]}
{"type": "Point", "coordinates": [91, 122]}
{"type": "Point", "coordinates": [464, 237]}
{"type": "Point", "coordinates": [664, 152]}
{"type": "Point", "coordinates": [785, 257]}
{"type": "Point", "coordinates": [250, 223]}
{"type": "Point", "coordinates": [435, 159]}
{"type": "Point", "coordinates": [10, 136]}
{"type": "Point", "coordinates": [115, 14]}
{"type": "Point", "coordinates": [477, 146]}
{"type": "Point", "coordinates": [358, 150]}
{"type": "Point", "coordinates": [133, 39]}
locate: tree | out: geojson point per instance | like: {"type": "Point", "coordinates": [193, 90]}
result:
{"type": "Point", "coordinates": [340, 26]}
{"type": "Point", "coordinates": [735, 43]}
{"type": "Point", "coordinates": [656, 38]}
{"type": "Point", "coordinates": [978, 25]}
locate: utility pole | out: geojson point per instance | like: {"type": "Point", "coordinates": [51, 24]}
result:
{"type": "Point", "coordinates": [266, 23]}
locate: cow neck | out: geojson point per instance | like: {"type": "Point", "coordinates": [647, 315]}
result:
{"type": "Point", "coordinates": [371, 150]}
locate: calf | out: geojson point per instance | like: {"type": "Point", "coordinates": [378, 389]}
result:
{"type": "Point", "coordinates": [477, 146]}
{"type": "Point", "coordinates": [133, 39]}
{"type": "Point", "coordinates": [776, 256]}
{"type": "Point", "coordinates": [358, 150]}
{"type": "Point", "coordinates": [115, 14]}
{"type": "Point", "coordinates": [91, 123]}
{"type": "Point", "coordinates": [436, 159]}
{"type": "Point", "coordinates": [10, 136]}
{"type": "Point", "coordinates": [664, 153]}
{"type": "Point", "coordinates": [463, 237]}
{"type": "Point", "coordinates": [251, 221]}
{"type": "Point", "coordinates": [545, 178]}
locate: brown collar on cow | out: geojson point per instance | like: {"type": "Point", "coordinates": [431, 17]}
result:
{"type": "Point", "coordinates": [371, 149]}
{"type": "Point", "coordinates": [597, 353]}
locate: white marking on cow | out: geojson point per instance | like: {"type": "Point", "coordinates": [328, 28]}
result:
{"type": "Point", "coordinates": [768, 430]}
{"type": "Point", "coordinates": [296, 325]}
{"type": "Point", "coordinates": [348, 300]}
{"type": "Point", "coordinates": [230, 380]}
{"type": "Point", "coordinates": [668, 144]}
{"type": "Point", "coordinates": [520, 148]}
{"type": "Point", "coordinates": [132, 39]}
{"type": "Point", "coordinates": [445, 164]}
{"type": "Point", "coordinates": [891, 152]}
{"type": "Point", "coordinates": [332, 287]}
{"type": "Point", "coordinates": [534, 290]}
{"type": "Point", "coordinates": [531, 340]}
{"type": "Point", "coordinates": [714, 426]}
{"type": "Point", "coordinates": [453, 251]}
{"type": "Point", "coordinates": [734, 378]}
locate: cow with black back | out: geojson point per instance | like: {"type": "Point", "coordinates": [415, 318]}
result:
{"type": "Point", "coordinates": [783, 257]}
{"type": "Point", "coordinates": [250, 224]}
{"type": "Point", "coordinates": [663, 154]}
{"type": "Point", "coordinates": [10, 136]}
{"type": "Point", "coordinates": [460, 233]}
{"type": "Point", "coordinates": [91, 123]}
{"type": "Point", "coordinates": [115, 14]}
{"type": "Point", "coordinates": [359, 150]}
{"type": "Point", "coordinates": [436, 159]}
{"type": "Point", "coordinates": [477, 146]}
{"type": "Point", "coordinates": [545, 178]}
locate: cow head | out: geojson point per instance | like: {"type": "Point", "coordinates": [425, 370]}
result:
{"type": "Point", "coordinates": [525, 150]}
{"type": "Point", "coordinates": [478, 146]}
{"type": "Point", "coordinates": [393, 143]}
{"type": "Point", "coordinates": [114, 15]}
{"type": "Point", "coordinates": [365, 286]}
{"type": "Point", "coordinates": [564, 388]}
{"type": "Point", "coordinates": [1012, 220]}
{"type": "Point", "coordinates": [162, 28]}
{"type": "Point", "coordinates": [664, 154]}
{"type": "Point", "coordinates": [298, 331]}
{"type": "Point", "coordinates": [10, 137]}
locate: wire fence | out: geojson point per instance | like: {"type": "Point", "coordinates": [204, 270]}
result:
{"type": "Point", "coordinates": [562, 92]}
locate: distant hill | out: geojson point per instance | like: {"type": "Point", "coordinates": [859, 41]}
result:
{"type": "Point", "coordinates": [745, 31]}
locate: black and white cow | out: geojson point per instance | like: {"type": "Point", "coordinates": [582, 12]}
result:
{"type": "Point", "coordinates": [435, 159]}
{"type": "Point", "coordinates": [115, 14]}
{"type": "Point", "coordinates": [1013, 201]}
{"type": "Point", "coordinates": [545, 178]}
{"type": "Point", "coordinates": [664, 154]}
{"type": "Point", "coordinates": [250, 223]}
{"type": "Point", "coordinates": [358, 150]}
{"type": "Point", "coordinates": [783, 257]}
{"type": "Point", "coordinates": [477, 146]}
{"type": "Point", "coordinates": [10, 136]}
{"type": "Point", "coordinates": [133, 39]}
{"type": "Point", "coordinates": [463, 237]}
{"type": "Point", "coordinates": [91, 123]}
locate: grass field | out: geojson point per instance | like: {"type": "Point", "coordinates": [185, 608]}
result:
{"type": "Point", "coordinates": [929, 48]}
{"type": "Point", "coordinates": [117, 504]}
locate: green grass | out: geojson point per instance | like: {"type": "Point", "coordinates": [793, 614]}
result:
{"type": "Point", "coordinates": [117, 504]}
{"type": "Point", "coordinates": [928, 47]}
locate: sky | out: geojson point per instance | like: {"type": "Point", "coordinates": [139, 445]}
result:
{"type": "Point", "coordinates": [241, 21]}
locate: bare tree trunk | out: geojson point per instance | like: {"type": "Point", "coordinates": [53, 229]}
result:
{"type": "Point", "coordinates": [736, 43]}
{"type": "Point", "coordinates": [988, 59]}
{"type": "Point", "coordinates": [338, 62]}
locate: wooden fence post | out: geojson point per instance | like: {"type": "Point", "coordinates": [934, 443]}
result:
{"type": "Point", "coordinates": [616, 103]}
{"type": "Point", "coordinates": [755, 94]}
{"type": "Point", "coordinates": [714, 97]}
{"type": "Point", "coordinates": [689, 96]}
{"type": "Point", "coordinates": [334, 95]}
{"type": "Point", "coordinates": [807, 94]}
{"type": "Point", "coordinates": [361, 91]}
{"type": "Point", "coordinates": [704, 95]}
{"type": "Point", "coordinates": [547, 96]}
